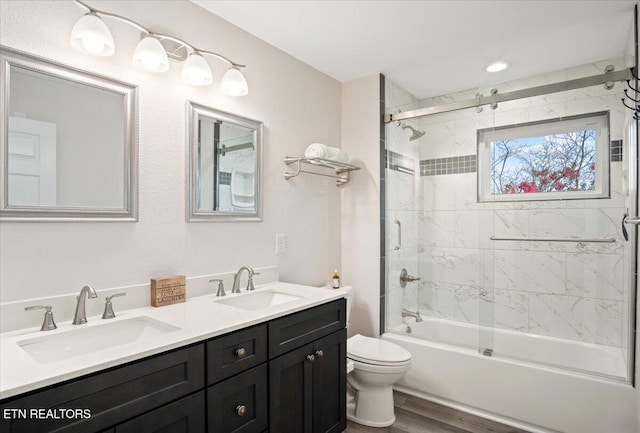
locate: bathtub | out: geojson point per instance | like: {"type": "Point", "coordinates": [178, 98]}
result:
{"type": "Point", "coordinates": [540, 397]}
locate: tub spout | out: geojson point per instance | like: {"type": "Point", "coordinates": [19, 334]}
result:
{"type": "Point", "coordinates": [416, 315]}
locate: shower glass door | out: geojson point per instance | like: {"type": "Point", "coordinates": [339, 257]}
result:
{"type": "Point", "coordinates": [511, 217]}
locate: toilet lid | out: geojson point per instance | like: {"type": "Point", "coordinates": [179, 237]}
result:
{"type": "Point", "coordinates": [375, 351]}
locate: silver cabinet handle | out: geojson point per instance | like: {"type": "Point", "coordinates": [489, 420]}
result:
{"type": "Point", "coordinates": [319, 353]}
{"type": "Point", "coordinates": [311, 358]}
{"type": "Point", "coordinates": [397, 247]}
{"type": "Point", "coordinates": [241, 410]}
{"type": "Point", "coordinates": [241, 352]}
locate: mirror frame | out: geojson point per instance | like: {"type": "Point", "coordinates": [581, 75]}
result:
{"type": "Point", "coordinates": [10, 57]}
{"type": "Point", "coordinates": [194, 111]}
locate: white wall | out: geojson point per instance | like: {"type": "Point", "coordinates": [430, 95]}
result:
{"type": "Point", "coordinates": [298, 105]}
{"type": "Point", "coordinates": [361, 202]}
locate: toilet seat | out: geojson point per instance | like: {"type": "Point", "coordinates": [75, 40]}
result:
{"type": "Point", "coordinates": [374, 351]}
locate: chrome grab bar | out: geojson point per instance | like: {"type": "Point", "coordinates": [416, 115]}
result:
{"type": "Point", "coordinates": [397, 247]}
{"type": "Point", "coordinates": [525, 239]}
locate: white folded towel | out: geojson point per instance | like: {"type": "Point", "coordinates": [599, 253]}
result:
{"type": "Point", "coordinates": [319, 150]}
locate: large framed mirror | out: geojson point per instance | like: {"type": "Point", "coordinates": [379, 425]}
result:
{"type": "Point", "coordinates": [224, 166]}
{"type": "Point", "coordinates": [69, 143]}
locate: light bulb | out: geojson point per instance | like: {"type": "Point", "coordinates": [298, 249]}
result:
{"type": "Point", "coordinates": [150, 63]}
{"type": "Point", "coordinates": [234, 83]}
{"type": "Point", "coordinates": [196, 70]}
{"type": "Point", "coordinates": [90, 35]}
{"type": "Point", "coordinates": [150, 55]}
{"type": "Point", "coordinates": [92, 45]}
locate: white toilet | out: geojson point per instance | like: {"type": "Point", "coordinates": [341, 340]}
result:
{"type": "Point", "coordinates": [373, 366]}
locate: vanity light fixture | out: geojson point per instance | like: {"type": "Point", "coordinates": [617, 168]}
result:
{"type": "Point", "coordinates": [90, 35]}
{"type": "Point", "coordinates": [496, 67]}
{"type": "Point", "coordinates": [196, 71]}
{"type": "Point", "coordinates": [234, 83]}
{"type": "Point", "coordinates": [150, 55]}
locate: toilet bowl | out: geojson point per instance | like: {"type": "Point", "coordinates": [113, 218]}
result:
{"type": "Point", "coordinates": [374, 365]}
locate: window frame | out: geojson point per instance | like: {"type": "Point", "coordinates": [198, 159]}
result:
{"type": "Point", "coordinates": [541, 128]}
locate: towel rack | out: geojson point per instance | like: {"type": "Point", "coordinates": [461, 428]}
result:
{"type": "Point", "coordinates": [342, 171]}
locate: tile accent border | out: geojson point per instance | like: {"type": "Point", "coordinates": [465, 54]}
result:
{"type": "Point", "coordinates": [451, 165]}
{"type": "Point", "coordinates": [398, 162]}
{"type": "Point", "coordinates": [616, 150]}
{"type": "Point", "coordinates": [224, 178]}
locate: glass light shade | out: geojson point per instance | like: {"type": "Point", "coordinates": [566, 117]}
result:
{"type": "Point", "coordinates": [90, 35]}
{"type": "Point", "coordinates": [234, 83]}
{"type": "Point", "coordinates": [150, 55]}
{"type": "Point", "coordinates": [196, 71]}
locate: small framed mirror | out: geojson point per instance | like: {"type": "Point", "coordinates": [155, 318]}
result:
{"type": "Point", "coordinates": [224, 166]}
{"type": "Point", "coordinates": [69, 143]}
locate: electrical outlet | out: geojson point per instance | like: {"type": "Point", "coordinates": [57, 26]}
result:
{"type": "Point", "coordinates": [281, 244]}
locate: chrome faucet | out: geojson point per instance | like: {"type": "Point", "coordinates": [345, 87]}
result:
{"type": "Point", "coordinates": [236, 279]}
{"type": "Point", "coordinates": [416, 315]}
{"type": "Point", "coordinates": [81, 315]}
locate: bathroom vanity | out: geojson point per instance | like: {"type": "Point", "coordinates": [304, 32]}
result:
{"type": "Point", "coordinates": [285, 371]}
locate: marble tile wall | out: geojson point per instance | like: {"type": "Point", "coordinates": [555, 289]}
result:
{"type": "Point", "coordinates": [575, 291]}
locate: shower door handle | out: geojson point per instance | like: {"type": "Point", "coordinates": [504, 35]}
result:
{"type": "Point", "coordinates": [631, 220]}
{"type": "Point", "coordinates": [626, 219]}
{"type": "Point", "coordinates": [397, 247]}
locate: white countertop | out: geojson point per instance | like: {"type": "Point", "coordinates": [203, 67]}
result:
{"type": "Point", "coordinates": [198, 319]}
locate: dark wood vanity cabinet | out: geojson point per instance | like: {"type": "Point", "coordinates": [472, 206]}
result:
{"type": "Point", "coordinates": [253, 380]}
{"type": "Point", "coordinates": [110, 396]}
{"type": "Point", "coordinates": [307, 387]}
{"type": "Point", "coordinates": [307, 370]}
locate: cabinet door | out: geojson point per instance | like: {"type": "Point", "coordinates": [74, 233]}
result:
{"type": "Point", "coordinates": [239, 404]}
{"type": "Point", "coordinates": [330, 383]}
{"type": "Point", "coordinates": [290, 392]}
{"type": "Point", "coordinates": [183, 416]}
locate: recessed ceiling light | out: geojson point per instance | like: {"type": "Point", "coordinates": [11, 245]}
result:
{"type": "Point", "coordinates": [496, 67]}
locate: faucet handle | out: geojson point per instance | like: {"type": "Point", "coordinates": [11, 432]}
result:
{"type": "Point", "coordinates": [220, 286]}
{"type": "Point", "coordinates": [250, 286]}
{"type": "Point", "coordinates": [108, 306]}
{"type": "Point", "coordinates": [48, 324]}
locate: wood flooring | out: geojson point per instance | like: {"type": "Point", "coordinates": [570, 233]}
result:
{"type": "Point", "coordinates": [414, 415]}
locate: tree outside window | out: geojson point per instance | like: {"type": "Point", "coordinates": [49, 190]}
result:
{"type": "Point", "coordinates": [565, 158]}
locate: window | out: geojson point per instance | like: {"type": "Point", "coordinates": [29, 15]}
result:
{"type": "Point", "coordinates": [565, 158]}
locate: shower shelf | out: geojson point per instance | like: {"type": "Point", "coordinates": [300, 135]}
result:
{"type": "Point", "coordinates": [342, 170]}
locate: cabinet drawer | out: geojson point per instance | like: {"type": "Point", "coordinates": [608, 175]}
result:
{"type": "Point", "coordinates": [236, 352]}
{"type": "Point", "coordinates": [298, 329]}
{"type": "Point", "coordinates": [239, 404]}
{"type": "Point", "coordinates": [114, 395]}
{"type": "Point", "coordinates": [183, 416]}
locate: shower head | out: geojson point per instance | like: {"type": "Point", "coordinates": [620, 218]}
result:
{"type": "Point", "coordinates": [415, 133]}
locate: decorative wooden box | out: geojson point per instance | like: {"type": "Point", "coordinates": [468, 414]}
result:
{"type": "Point", "coordinates": [168, 290]}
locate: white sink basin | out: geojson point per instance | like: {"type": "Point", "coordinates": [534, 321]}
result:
{"type": "Point", "coordinates": [259, 299]}
{"type": "Point", "coordinates": [56, 347]}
